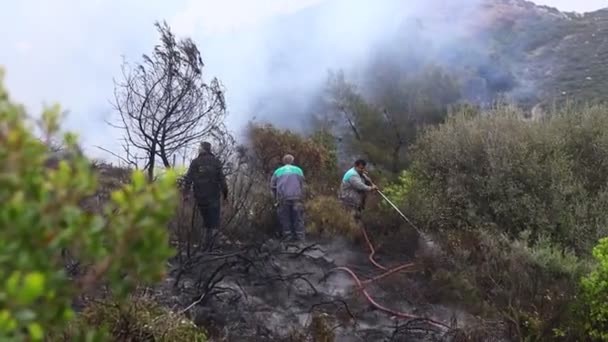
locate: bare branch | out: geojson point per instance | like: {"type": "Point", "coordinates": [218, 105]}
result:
{"type": "Point", "coordinates": [164, 104]}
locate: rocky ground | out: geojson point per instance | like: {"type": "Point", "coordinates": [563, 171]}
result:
{"type": "Point", "coordinates": [274, 291]}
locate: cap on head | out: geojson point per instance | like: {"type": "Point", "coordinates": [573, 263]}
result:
{"type": "Point", "coordinates": [205, 147]}
{"type": "Point", "coordinates": [288, 159]}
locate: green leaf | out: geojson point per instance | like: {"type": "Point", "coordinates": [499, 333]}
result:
{"type": "Point", "coordinates": [33, 286]}
{"type": "Point", "coordinates": [12, 283]}
{"type": "Point", "coordinates": [139, 179]}
{"type": "Point", "coordinates": [7, 322]}
{"type": "Point", "coordinates": [68, 314]}
{"type": "Point", "coordinates": [36, 332]}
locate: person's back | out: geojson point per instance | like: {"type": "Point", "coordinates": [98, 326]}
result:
{"type": "Point", "coordinates": [207, 178]}
{"type": "Point", "coordinates": [287, 183]}
{"type": "Point", "coordinates": [209, 185]}
{"type": "Point", "coordinates": [287, 186]}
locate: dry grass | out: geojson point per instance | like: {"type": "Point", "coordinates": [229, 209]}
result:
{"type": "Point", "coordinates": [139, 319]}
{"type": "Point", "coordinates": [326, 216]}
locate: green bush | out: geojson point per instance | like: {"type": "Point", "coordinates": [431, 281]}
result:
{"type": "Point", "coordinates": [499, 170]}
{"type": "Point", "coordinates": [530, 288]}
{"type": "Point", "coordinates": [516, 206]}
{"type": "Point", "coordinates": [41, 218]}
{"type": "Point", "coordinates": [401, 188]}
{"type": "Point", "coordinates": [595, 294]}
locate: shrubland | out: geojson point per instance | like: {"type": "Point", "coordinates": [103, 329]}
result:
{"type": "Point", "coordinates": [517, 206]}
{"type": "Point", "coordinates": [514, 204]}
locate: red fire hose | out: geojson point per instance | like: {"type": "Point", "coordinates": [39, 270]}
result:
{"type": "Point", "coordinates": [361, 285]}
{"type": "Point", "coordinates": [387, 272]}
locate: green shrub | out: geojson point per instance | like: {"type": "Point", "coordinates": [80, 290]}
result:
{"type": "Point", "coordinates": [499, 170]}
{"type": "Point", "coordinates": [516, 206]}
{"type": "Point", "coordinates": [41, 218]}
{"type": "Point", "coordinates": [530, 288]}
{"type": "Point", "coordinates": [595, 294]}
{"type": "Point", "coordinates": [399, 189]}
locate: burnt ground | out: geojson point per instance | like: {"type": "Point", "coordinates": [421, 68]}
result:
{"type": "Point", "coordinates": [274, 291]}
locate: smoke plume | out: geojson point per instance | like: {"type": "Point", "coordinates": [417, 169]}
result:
{"type": "Point", "coordinates": [276, 71]}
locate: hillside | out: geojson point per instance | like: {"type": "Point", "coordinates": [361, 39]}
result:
{"type": "Point", "coordinates": [514, 48]}
{"type": "Point", "coordinates": [563, 55]}
{"type": "Point", "coordinates": [581, 59]}
{"type": "Point", "coordinates": [552, 55]}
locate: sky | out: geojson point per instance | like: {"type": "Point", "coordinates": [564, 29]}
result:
{"type": "Point", "coordinates": [574, 5]}
{"type": "Point", "coordinates": [69, 51]}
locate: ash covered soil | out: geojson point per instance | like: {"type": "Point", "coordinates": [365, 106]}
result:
{"type": "Point", "coordinates": [275, 291]}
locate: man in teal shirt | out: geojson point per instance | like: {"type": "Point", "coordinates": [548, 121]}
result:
{"type": "Point", "coordinates": [287, 185]}
{"type": "Point", "coordinates": [354, 188]}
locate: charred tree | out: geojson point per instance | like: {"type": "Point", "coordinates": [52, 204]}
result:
{"type": "Point", "coordinates": [164, 103]}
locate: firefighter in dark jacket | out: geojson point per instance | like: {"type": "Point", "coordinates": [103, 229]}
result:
{"type": "Point", "coordinates": [209, 184]}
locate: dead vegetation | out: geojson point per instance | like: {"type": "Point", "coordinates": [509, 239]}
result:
{"type": "Point", "coordinates": [328, 217]}
{"type": "Point", "coordinates": [141, 318]}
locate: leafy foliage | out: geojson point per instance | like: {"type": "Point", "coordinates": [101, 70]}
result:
{"type": "Point", "coordinates": [498, 170]}
{"type": "Point", "coordinates": [400, 188]}
{"type": "Point", "coordinates": [595, 294]}
{"type": "Point", "coordinates": [517, 205]}
{"type": "Point", "coordinates": [42, 219]}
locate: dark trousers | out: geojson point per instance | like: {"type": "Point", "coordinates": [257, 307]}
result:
{"type": "Point", "coordinates": [210, 212]}
{"type": "Point", "coordinates": [291, 218]}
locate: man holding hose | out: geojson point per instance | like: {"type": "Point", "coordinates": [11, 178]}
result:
{"type": "Point", "coordinates": [354, 188]}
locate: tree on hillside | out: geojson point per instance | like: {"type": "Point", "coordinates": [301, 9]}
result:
{"type": "Point", "coordinates": [164, 103]}
{"type": "Point", "coordinates": [383, 123]}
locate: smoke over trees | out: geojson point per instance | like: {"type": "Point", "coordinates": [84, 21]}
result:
{"type": "Point", "coordinates": [377, 113]}
{"type": "Point", "coordinates": [382, 124]}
